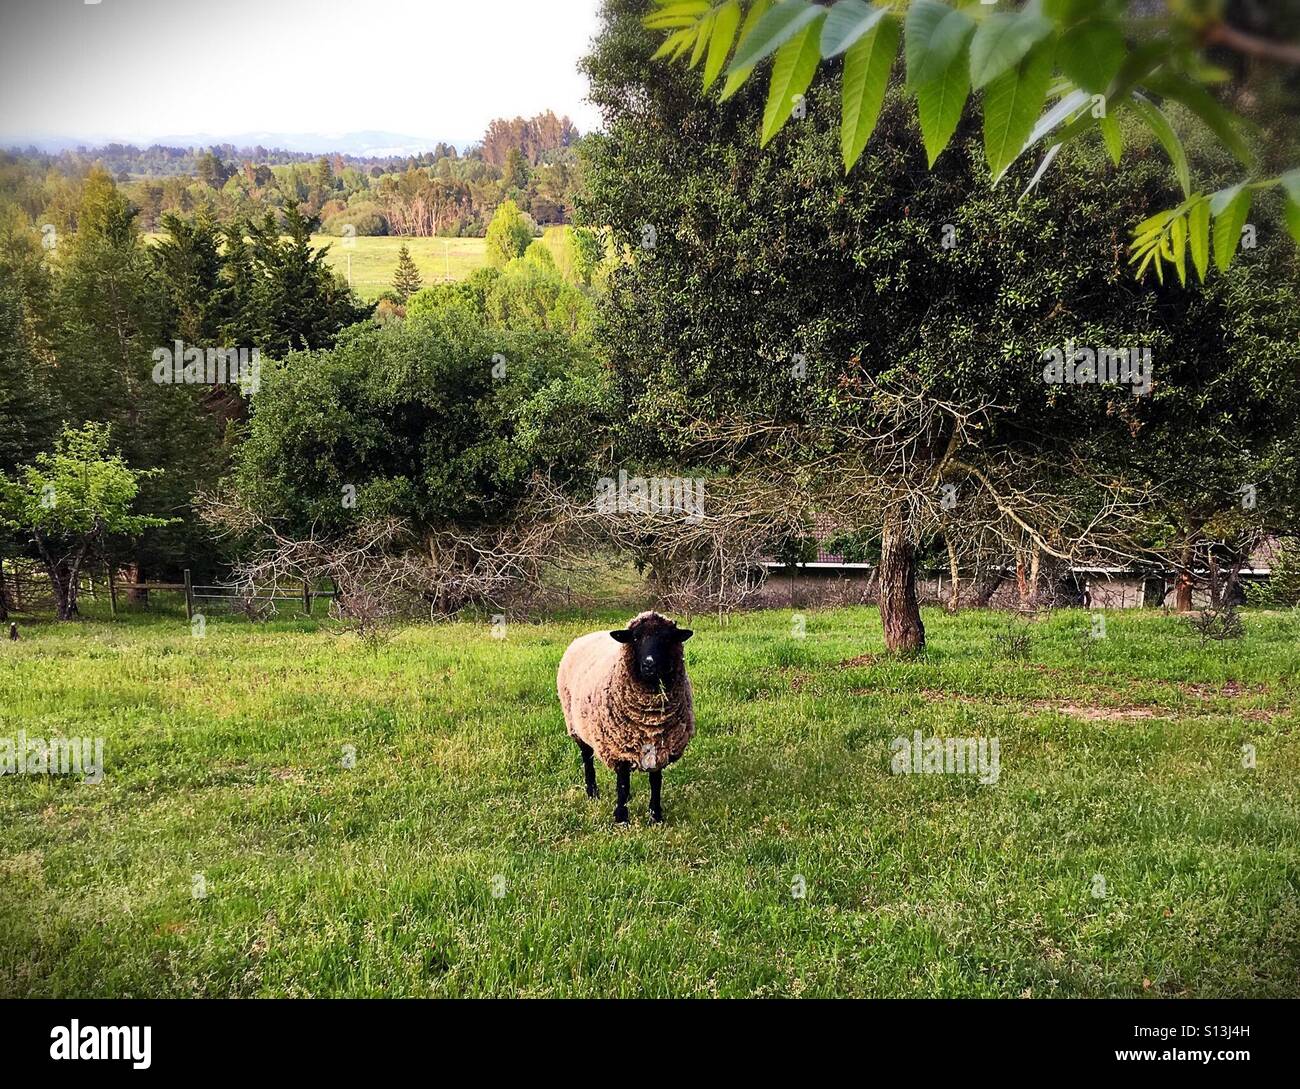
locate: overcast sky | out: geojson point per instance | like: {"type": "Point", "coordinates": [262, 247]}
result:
{"type": "Point", "coordinates": [140, 69]}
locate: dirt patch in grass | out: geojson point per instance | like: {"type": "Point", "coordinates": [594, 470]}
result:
{"type": "Point", "coordinates": [1091, 713]}
{"type": "Point", "coordinates": [1231, 689]}
{"type": "Point", "coordinates": [861, 661]}
{"type": "Point", "coordinates": [1087, 712]}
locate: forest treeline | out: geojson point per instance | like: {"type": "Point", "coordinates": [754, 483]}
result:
{"type": "Point", "coordinates": [532, 161]}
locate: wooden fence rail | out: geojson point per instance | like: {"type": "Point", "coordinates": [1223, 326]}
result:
{"type": "Point", "coordinates": [28, 591]}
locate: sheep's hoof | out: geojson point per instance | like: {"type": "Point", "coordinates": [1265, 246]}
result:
{"type": "Point", "coordinates": [593, 792]}
{"type": "Point", "coordinates": [620, 815]}
{"type": "Point", "coordinates": [656, 816]}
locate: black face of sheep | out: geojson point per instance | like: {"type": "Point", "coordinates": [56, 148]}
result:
{"type": "Point", "coordinates": [656, 649]}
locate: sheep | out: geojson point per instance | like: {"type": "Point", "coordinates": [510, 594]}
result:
{"type": "Point", "coordinates": [627, 699]}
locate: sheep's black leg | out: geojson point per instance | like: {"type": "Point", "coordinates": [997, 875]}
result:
{"type": "Point", "coordinates": [656, 807]}
{"type": "Point", "coordinates": [588, 769]}
{"type": "Point", "coordinates": [623, 772]}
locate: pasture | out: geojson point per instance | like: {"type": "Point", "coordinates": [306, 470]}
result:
{"type": "Point", "coordinates": [235, 847]}
{"type": "Point", "coordinates": [374, 259]}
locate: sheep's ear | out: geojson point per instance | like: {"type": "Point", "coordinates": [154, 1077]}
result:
{"type": "Point", "coordinates": [621, 636]}
{"type": "Point", "coordinates": [683, 634]}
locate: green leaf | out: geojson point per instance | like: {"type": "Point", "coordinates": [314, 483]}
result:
{"type": "Point", "coordinates": [724, 33]}
{"type": "Point", "coordinates": [736, 79]}
{"type": "Point", "coordinates": [1220, 200]}
{"type": "Point", "coordinates": [1159, 124]}
{"type": "Point", "coordinates": [1011, 106]}
{"type": "Point", "coordinates": [1001, 43]}
{"type": "Point", "coordinates": [1198, 230]}
{"type": "Point", "coordinates": [1197, 99]}
{"type": "Point", "coordinates": [939, 104]}
{"type": "Point", "coordinates": [774, 30]}
{"type": "Point", "coordinates": [702, 41]}
{"type": "Point", "coordinates": [936, 35]}
{"type": "Point", "coordinates": [867, 65]}
{"type": "Point", "coordinates": [1071, 103]}
{"type": "Point", "coordinates": [674, 43]}
{"type": "Point", "coordinates": [1227, 228]}
{"type": "Point", "coordinates": [794, 68]}
{"type": "Point", "coordinates": [670, 15]}
{"type": "Point", "coordinates": [846, 24]}
{"type": "Point", "coordinates": [1091, 54]}
{"type": "Point", "coordinates": [1178, 243]}
{"type": "Point", "coordinates": [1293, 218]}
{"type": "Point", "coordinates": [1113, 138]}
{"type": "Point", "coordinates": [1052, 153]}
{"type": "Point", "coordinates": [1291, 183]}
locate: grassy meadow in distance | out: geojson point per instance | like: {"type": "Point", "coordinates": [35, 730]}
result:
{"type": "Point", "coordinates": [374, 259]}
{"type": "Point", "coordinates": [1120, 757]}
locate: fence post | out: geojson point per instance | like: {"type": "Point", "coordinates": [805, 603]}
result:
{"type": "Point", "coordinates": [189, 596]}
{"type": "Point", "coordinates": [306, 597]}
{"type": "Point", "coordinates": [112, 590]}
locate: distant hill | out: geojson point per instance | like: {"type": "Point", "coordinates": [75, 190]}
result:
{"type": "Point", "coordinates": [363, 145]}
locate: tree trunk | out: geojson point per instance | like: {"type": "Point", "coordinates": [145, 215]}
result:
{"type": "Point", "coordinates": [1183, 585]}
{"type": "Point", "coordinates": [64, 581]}
{"type": "Point", "coordinates": [4, 593]}
{"type": "Point", "coordinates": [954, 595]}
{"type": "Point", "coordinates": [136, 574]}
{"type": "Point", "coordinates": [899, 612]}
{"type": "Point", "coordinates": [989, 587]}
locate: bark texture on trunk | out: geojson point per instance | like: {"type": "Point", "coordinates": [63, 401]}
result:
{"type": "Point", "coordinates": [899, 612]}
{"type": "Point", "coordinates": [64, 580]}
{"type": "Point", "coordinates": [1183, 585]}
{"type": "Point", "coordinates": [989, 587]}
{"type": "Point", "coordinates": [954, 594]}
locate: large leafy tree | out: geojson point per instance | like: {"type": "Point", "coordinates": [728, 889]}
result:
{"type": "Point", "coordinates": [1046, 72]}
{"type": "Point", "coordinates": [435, 422]}
{"type": "Point", "coordinates": [769, 289]}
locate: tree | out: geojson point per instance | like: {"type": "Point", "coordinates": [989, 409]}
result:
{"type": "Point", "coordinates": [297, 300]}
{"type": "Point", "coordinates": [28, 406]}
{"type": "Point", "coordinates": [437, 422]}
{"type": "Point", "coordinates": [508, 235]}
{"type": "Point", "coordinates": [211, 171]}
{"type": "Point", "coordinates": [1096, 59]}
{"type": "Point", "coordinates": [866, 342]}
{"type": "Point", "coordinates": [406, 280]}
{"type": "Point", "coordinates": [189, 263]}
{"type": "Point", "coordinates": [69, 500]}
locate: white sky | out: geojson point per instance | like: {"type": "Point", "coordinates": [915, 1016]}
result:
{"type": "Point", "coordinates": [141, 69]}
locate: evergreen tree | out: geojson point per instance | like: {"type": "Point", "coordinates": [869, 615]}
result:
{"type": "Point", "coordinates": [299, 301]}
{"type": "Point", "coordinates": [407, 280]}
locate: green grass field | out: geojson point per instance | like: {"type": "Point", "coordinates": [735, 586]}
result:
{"type": "Point", "coordinates": [460, 856]}
{"type": "Point", "coordinates": [374, 259]}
